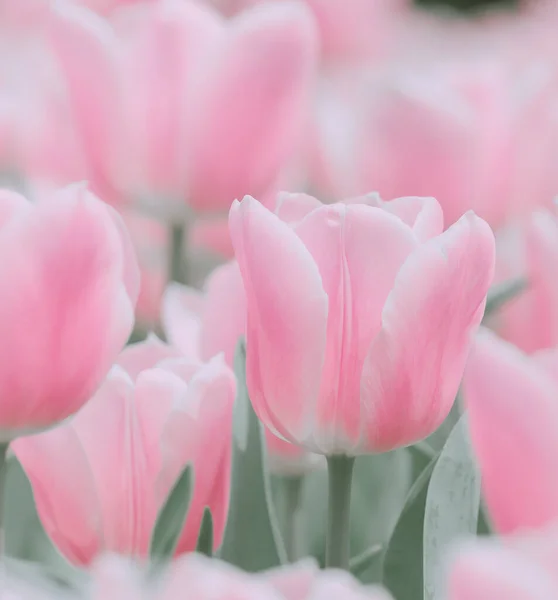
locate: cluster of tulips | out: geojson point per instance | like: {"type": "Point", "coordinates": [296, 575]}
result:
{"type": "Point", "coordinates": [213, 389]}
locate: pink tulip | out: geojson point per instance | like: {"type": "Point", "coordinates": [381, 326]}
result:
{"type": "Point", "coordinates": [243, 122]}
{"type": "Point", "coordinates": [180, 104]}
{"type": "Point", "coordinates": [455, 133]}
{"type": "Point", "coordinates": [516, 568]}
{"type": "Point", "coordinates": [195, 576]}
{"type": "Point", "coordinates": [204, 324]}
{"type": "Point", "coordinates": [100, 479]}
{"type": "Point", "coordinates": [530, 250]}
{"type": "Point", "coordinates": [343, 335]}
{"type": "Point", "coordinates": [513, 415]}
{"type": "Point", "coordinates": [70, 283]}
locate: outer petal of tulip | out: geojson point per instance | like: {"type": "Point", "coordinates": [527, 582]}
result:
{"type": "Point", "coordinates": [416, 322]}
{"type": "Point", "coordinates": [286, 319]}
{"type": "Point", "coordinates": [203, 415]}
{"type": "Point", "coordinates": [86, 49]}
{"type": "Point", "coordinates": [67, 308]}
{"type": "Point", "coordinates": [513, 419]}
{"type": "Point", "coordinates": [486, 571]}
{"type": "Point", "coordinates": [294, 581]}
{"type": "Point", "coordinates": [251, 97]}
{"type": "Point", "coordinates": [64, 491]}
{"type": "Point", "coordinates": [224, 312]}
{"type": "Point", "coordinates": [343, 239]}
{"type": "Point", "coordinates": [160, 68]}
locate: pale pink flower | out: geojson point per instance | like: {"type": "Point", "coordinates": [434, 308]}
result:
{"type": "Point", "coordinates": [358, 327]}
{"type": "Point", "coordinates": [180, 106]}
{"type": "Point", "coordinates": [512, 403]}
{"type": "Point", "coordinates": [100, 479]}
{"type": "Point", "coordinates": [70, 283]}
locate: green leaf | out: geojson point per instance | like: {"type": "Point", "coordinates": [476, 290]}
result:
{"type": "Point", "coordinates": [402, 566]}
{"type": "Point", "coordinates": [252, 538]}
{"type": "Point", "coordinates": [365, 560]}
{"type": "Point", "coordinates": [171, 518]}
{"type": "Point", "coordinates": [452, 506]}
{"type": "Point", "coordinates": [205, 537]}
{"type": "Point", "coordinates": [501, 293]}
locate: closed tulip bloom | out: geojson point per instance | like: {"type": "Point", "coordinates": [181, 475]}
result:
{"type": "Point", "coordinates": [357, 328]}
{"type": "Point", "coordinates": [515, 568]}
{"type": "Point", "coordinates": [181, 104]}
{"type": "Point", "coordinates": [100, 479]}
{"type": "Point", "coordinates": [70, 283]}
{"type": "Point", "coordinates": [512, 403]}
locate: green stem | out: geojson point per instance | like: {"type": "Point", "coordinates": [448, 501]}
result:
{"type": "Point", "coordinates": [292, 526]}
{"type": "Point", "coordinates": [340, 473]}
{"type": "Point", "coordinates": [3, 470]}
{"type": "Point", "coordinates": [178, 270]}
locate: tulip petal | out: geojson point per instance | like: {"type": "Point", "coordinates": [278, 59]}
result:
{"type": "Point", "coordinates": [246, 111]}
{"type": "Point", "coordinates": [286, 319]}
{"type": "Point", "coordinates": [181, 315]}
{"type": "Point", "coordinates": [359, 251]}
{"type": "Point", "coordinates": [65, 311]}
{"type": "Point", "coordinates": [64, 491]}
{"type": "Point", "coordinates": [513, 419]}
{"type": "Point", "coordinates": [413, 368]}
{"type": "Point", "coordinates": [224, 312]}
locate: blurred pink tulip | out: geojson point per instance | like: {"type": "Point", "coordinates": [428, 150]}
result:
{"type": "Point", "coordinates": [515, 568]}
{"type": "Point", "coordinates": [513, 417]}
{"type": "Point", "coordinates": [100, 479]}
{"type": "Point", "coordinates": [195, 576]}
{"type": "Point", "coordinates": [457, 133]}
{"type": "Point", "coordinates": [70, 283]}
{"type": "Point", "coordinates": [529, 250]}
{"type": "Point", "coordinates": [179, 104]}
{"type": "Point", "coordinates": [342, 338]}
{"type": "Point", "coordinates": [204, 324]}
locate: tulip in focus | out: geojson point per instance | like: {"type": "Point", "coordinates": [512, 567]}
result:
{"type": "Point", "coordinates": [100, 479]}
{"type": "Point", "coordinates": [70, 284]}
{"type": "Point", "coordinates": [358, 336]}
{"type": "Point", "coordinates": [512, 401]}
{"type": "Point", "coordinates": [202, 324]}
{"type": "Point", "coordinates": [529, 250]}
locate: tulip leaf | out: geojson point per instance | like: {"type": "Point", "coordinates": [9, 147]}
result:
{"type": "Point", "coordinates": [252, 539]}
{"type": "Point", "coordinates": [452, 505]}
{"type": "Point", "coordinates": [171, 518]}
{"type": "Point", "coordinates": [402, 566]}
{"type": "Point", "coordinates": [205, 537]}
{"type": "Point", "coordinates": [362, 562]}
{"type": "Point", "coordinates": [501, 293]}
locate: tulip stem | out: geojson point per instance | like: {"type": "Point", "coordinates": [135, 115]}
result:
{"type": "Point", "coordinates": [340, 473]}
{"type": "Point", "coordinates": [3, 472]}
{"type": "Point", "coordinates": [292, 526]}
{"type": "Point", "coordinates": [178, 267]}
